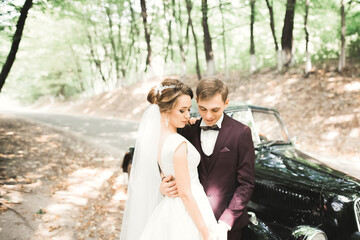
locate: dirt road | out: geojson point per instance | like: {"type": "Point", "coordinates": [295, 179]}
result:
{"type": "Point", "coordinates": [62, 181]}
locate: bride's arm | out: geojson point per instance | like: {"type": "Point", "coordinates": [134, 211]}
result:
{"type": "Point", "coordinates": [184, 189]}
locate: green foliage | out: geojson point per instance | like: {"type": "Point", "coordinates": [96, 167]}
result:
{"type": "Point", "coordinates": [353, 29]}
{"type": "Point", "coordinates": [69, 48]}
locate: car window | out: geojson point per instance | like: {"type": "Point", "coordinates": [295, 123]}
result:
{"type": "Point", "coordinates": [268, 127]}
{"type": "Point", "coordinates": [245, 117]}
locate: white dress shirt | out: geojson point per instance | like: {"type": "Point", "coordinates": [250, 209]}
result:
{"type": "Point", "coordinates": [208, 138]}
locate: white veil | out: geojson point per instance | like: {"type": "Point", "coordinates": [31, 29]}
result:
{"type": "Point", "coordinates": [143, 188]}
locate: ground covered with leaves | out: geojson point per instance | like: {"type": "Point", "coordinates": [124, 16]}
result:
{"type": "Point", "coordinates": [56, 186]}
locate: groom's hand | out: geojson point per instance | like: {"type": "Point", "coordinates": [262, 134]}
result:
{"type": "Point", "coordinates": [168, 187]}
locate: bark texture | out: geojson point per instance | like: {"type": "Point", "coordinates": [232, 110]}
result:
{"type": "Point", "coordinates": [147, 33]}
{"type": "Point", "coordinates": [189, 8]}
{"type": "Point", "coordinates": [272, 27]}
{"type": "Point", "coordinates": [209, 54]}
{"type": "Point", "coordinates": [287, 32]}
{"type": "Point", "coordinates": [15, 43]}
{"type": "Point", "coordinates": [252, 44]}
{"type": "Point", "coordinates": [342, 57]}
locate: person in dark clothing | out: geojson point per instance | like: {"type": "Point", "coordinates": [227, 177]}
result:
{"type": "Point", "coordinates": [127, 161]}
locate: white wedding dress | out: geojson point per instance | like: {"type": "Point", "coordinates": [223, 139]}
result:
{"type": "Point", "coordinates": [170, 219]}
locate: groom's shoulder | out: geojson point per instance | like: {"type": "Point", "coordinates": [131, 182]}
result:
{"type": "Point", "coordinates": [239, 127]}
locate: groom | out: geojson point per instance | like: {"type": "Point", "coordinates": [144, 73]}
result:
{"type": "Point", "coordinates": [226, 169]}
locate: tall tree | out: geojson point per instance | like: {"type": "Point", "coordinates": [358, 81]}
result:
{"type": "Point", "coordinates": [114, 48]}
{"type": "Point", "coordinates": [342, 57]}
{"type": "Point", "coordinates": [15, 43]}
{"type": "Point", "coordinates": [178, 19]}
{"type": "Point", "coordinates": [95, 59]}
{"type": "Point", "coordinates": [134, 32]}
{"type": "Point", "coordinates": [272, 27]}
{"type": "Point", "coordinates": [308, 56]}
{"type": "Point", "coordinates": [147, 33]}
{"type": "Point", "coordinates": [221, 7]}
{"type": "Point", "coordinates": [168, 15]}
{"type": "Point", "coordinates": [189, 8]}
{"type": "Point", "coordinates": [209, 53]}
{"type": "Point", "coordinates": [252, 44]}
{"type": "Point", "coordinates": [287, 33]}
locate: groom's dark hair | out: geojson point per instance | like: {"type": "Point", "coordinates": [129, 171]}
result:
{"type": "Point", "coordinates": [209, 87]}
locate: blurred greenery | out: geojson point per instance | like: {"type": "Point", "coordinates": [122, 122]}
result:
{"type": "Point", "coordinates": [69, 50]}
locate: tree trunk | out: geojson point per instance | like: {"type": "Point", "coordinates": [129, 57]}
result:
{"type": "Point", "coordinates": [96, 61]}
{"type": "Point", "coordinates": [287, 32]}
{"type": "Point", "coordinates": [279, 58]}
{"type": "Point", "coordinates": [209, 53]}
{"type": "Point", "coordinates": [223, 39]}
{"type": "Point", "coordinates": [78, 70]}
{"type": "Point", "coordinates": [189, 7]}
{"type": "Point", "coordinates": [252, 44]}
{"type": "Point", "coordinates": [147, 34]}
{"type": "Point", "coordinates": [180, 36]}
{"type": "Point", "coordinates": [134, 31]}
{"type": "Point", "coordinates": [272, 24]}
{"type": "Point", "coordinates": [169, 47]}
{"type": "Point", "coordinates": [308, 56]}
{"type": "Point", "coordinates": [15, 43]}
{"type": "Point", "coordinates": [114, 47]}
{"type": "Point", "coordinates": [342, 57]}
{"type": "Point", "coordinates": [122, 55]}
{"type": "Point", "coordinates": [272, 27]}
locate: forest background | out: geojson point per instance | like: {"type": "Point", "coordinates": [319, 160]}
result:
{"type": "Point", "coordinates": [101, 57]}
{"type": "Point", "coordinates": [299, 56]}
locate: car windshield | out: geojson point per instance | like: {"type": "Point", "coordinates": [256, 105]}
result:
{"type": "Point", "coordinates": [266, 127]}
{"type": "Point", "coordinates": [269, 127]}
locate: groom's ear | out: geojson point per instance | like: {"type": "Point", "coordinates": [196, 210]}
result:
{"type": "Point", "coordinates": [227, 102]}
{"type": "Point", "coordinates": [197, 99]}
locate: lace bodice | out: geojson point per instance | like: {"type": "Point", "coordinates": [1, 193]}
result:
{"type": "Point", "coordinates": [171, 143]}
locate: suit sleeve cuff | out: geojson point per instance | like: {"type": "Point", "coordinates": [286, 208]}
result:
{"type": "Point", "coordinates": [227, 218]}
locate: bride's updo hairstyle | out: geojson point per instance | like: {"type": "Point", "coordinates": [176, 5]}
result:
{"type": "Point", "coordinates": [165, 95]}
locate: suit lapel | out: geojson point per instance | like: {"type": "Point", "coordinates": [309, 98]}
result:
{"type": "Point", "coordinates": [197, 144]}
{"type": "Point", "coordinates": [196, 138]}
{"type": "Point", "coordinates": [220, 141]}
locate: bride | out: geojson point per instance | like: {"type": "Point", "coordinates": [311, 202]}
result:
{"type": "Point", "coordinates": [148, 215]}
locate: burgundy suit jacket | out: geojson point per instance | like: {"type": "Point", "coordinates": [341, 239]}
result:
{"type": "Point", "coordinates": [228, 178]}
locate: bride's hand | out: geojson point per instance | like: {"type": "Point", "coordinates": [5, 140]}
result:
{"type": "Point", "coordinates": [193, 120]}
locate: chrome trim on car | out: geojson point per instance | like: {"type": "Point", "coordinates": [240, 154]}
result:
{"type": "Point", "coordinates": [305, 232]}
{"type": "Point", "coordinates": [357, 212]}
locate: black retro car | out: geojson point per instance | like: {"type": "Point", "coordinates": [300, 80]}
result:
{"type": "Point", "coordinates": [295, 196]}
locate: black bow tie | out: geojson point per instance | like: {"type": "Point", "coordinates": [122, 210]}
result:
{"type": "Point", "coordinates": [214, 127]}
